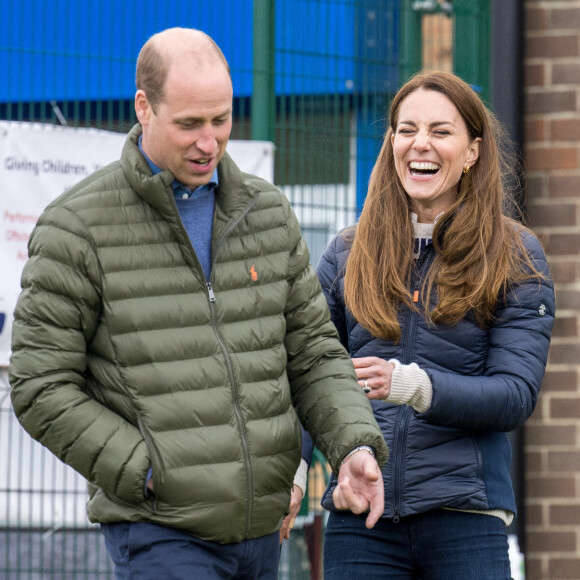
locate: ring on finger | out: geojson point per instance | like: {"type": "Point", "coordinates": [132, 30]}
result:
{"type": "Point", "coordinates": [366, 387]}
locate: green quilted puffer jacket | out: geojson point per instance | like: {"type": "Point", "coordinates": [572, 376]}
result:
{"type": "Point", "coordinates": [124, 357]}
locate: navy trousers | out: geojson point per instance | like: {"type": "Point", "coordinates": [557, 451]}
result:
{"type": "Point", "coordinates": [437, 545]}
{"type": "Point", "coordinates": [142, 551]}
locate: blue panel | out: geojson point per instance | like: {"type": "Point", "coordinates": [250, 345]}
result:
{"type": "Point", "coordinates": [315, 43]}
{"type": "Point", "coordinates": [377, 44]}
{"type": "Point", "coordinates": [86, 49]}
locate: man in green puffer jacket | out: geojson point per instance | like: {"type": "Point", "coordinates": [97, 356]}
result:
{"type": "Point", "coordinates": [171, 336]}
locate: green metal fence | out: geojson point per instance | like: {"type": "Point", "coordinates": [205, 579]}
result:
{"type": "Point", "coordinates": [313, 76]}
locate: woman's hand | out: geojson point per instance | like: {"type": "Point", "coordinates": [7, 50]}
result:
{"type": "Point", "coordinates": [374, 373]}
{"type": "Point", "coordinates": [295, 503]}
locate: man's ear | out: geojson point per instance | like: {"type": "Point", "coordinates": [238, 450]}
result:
{"type": "Point", "coordinates": [142, 107]}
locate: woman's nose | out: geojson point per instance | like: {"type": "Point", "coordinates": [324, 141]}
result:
{"type": "Point", "coordinates": [421, 142]}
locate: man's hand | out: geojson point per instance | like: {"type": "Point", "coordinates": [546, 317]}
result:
{"type": "Point", "coordinates": [360, 487]}
{"type": "Point", "coordinates": [295, 503]}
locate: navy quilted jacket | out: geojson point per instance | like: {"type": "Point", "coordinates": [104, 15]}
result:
{"type": "Point", "coordinates": [485, 383]}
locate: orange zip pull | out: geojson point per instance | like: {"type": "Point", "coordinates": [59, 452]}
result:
{"type": "Point", "coordinates": [416, 296]}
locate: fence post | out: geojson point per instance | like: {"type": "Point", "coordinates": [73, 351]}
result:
{"type": "Point", "coordinates": [411, 41]}
{"type": "Point", "coordinates": [471, 46]}
{"type": "Point", "coordinates": [263, 108]}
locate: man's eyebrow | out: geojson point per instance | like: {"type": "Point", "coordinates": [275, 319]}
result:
{"type": "Point", "coordinates": [186, 119]}
{"type": "Point", "coordinates": [191, 119]}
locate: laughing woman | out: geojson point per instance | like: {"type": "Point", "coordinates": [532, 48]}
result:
{"type": "Point", "coordinates": [446, 306]}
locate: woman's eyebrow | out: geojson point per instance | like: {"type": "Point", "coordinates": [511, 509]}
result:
{"type": "Point", "coordinates": [431, 125]}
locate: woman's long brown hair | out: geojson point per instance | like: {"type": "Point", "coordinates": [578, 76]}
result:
{"type": "Point", "coordinates": [479, 249]}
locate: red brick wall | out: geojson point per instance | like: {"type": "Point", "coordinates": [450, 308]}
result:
{"type": "Point", "coordinates": [552, 152]}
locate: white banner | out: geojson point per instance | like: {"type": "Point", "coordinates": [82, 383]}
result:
{"type": "Point", "coordinates": [39, 162]}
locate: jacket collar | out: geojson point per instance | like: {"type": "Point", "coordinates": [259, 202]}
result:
{"type": "Point", "coordinates": [233, 193]}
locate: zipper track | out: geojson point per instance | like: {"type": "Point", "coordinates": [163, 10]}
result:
{"type": "Point", "coordinates": [404, 414]}
{"type": "Point", "coordinates": [229, 365]}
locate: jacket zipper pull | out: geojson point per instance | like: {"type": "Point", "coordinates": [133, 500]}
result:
{"type": "Point", "coordinates": [396, 518]}
{"type": "Point", "coordinates": [210, 292]}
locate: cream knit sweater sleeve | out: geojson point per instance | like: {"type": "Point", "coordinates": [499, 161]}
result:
{"type": "Point", "coordinates": [410, 385]}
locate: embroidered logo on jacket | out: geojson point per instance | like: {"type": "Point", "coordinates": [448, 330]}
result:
{"type": "Point", "coordinates": [254, 273]}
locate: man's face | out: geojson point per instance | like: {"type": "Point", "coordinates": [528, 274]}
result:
{"type": "Point", "coordinates": [190, 129]}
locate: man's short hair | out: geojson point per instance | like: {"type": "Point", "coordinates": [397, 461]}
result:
{"type": "Point", "coordinates": [153, 66]}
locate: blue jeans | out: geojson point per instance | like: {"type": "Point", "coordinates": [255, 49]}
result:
{"type": "Point", "coordinates": [437, 545]}
{"type": "Point", "coordinates": [143, 551]}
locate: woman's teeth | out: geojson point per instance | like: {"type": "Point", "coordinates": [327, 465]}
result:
{"type": "Point", "coordinates": [422, 167]}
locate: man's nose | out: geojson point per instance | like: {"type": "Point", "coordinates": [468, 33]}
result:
{"type": "Point", "coordinates": [206, 140]}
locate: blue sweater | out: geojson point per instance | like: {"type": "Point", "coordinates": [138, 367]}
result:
{"type": "Point", "coordinates": [196, 213]}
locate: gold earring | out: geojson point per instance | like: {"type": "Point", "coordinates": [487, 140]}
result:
{"type": "Point", "coordinates": [466, 170]}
